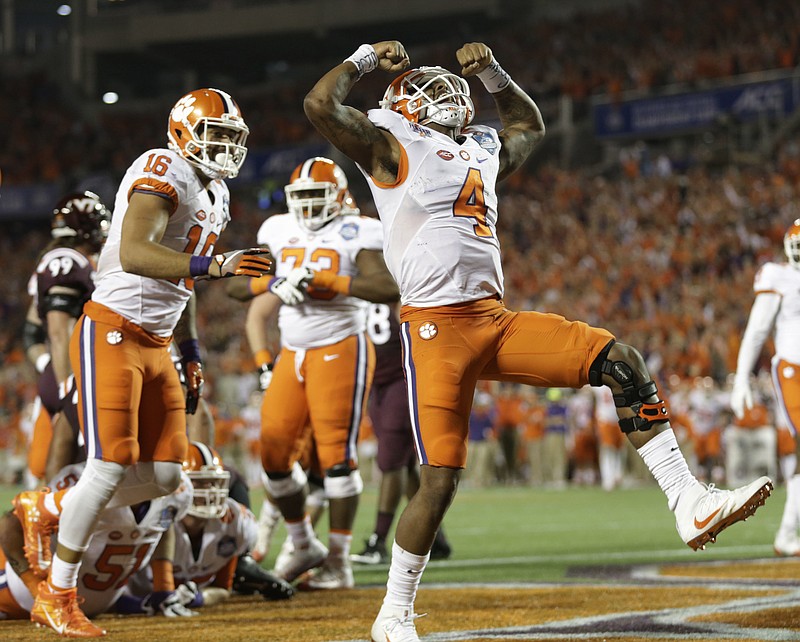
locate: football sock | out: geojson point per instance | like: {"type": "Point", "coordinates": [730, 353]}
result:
{"type": "Point", "coordinates": [791, 515]}
{"type": "Point", "coordinates": [301, 532]}
{"type": "Point", "coordinates": [666, 462]}
{"type": "Point", "coordinates": [146, 480]}
{"type": "Point", "coordinates": [382, 524]}
{"type": "Point", "coordinates": [405, 573]}
{"type": "Point", "coordinates": [788, 465]}
{"type": "Point", "coordinates": [339, 544]}
{"type": "Point", "coordinates": [63, 575]}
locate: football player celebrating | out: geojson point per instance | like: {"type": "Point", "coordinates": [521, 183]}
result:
{"type": "Point", "coordinates": [327, 265]}
{"type": "Point", "coordinates": [170, 209]}
{"type": "Point", "coordinates": [433, 176]}
{"type": "Point", "coordinates": [60, 285]}
{"type": "Point", "coordinates": [777, 305]}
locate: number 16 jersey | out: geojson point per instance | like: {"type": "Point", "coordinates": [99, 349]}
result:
{"type": "Point", "coordinates": [439, 218]}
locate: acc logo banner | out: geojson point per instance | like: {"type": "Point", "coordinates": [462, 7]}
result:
{"type": "Point", "coordinates": [445, 155]}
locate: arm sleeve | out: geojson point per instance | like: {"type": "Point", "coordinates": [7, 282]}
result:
{"type": "Point", "coordinates": [759, 325]}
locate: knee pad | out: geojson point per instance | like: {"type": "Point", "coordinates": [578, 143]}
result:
{"type": "Point", "coordinates": [633, 396]}
{"type": "Point", "coordinates": [341, 481]}
{"type": "Point", "coordinates": [285, 484]}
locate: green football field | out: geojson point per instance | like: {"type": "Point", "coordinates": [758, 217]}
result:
{"type": "Point", "coordinates": [514, 534]}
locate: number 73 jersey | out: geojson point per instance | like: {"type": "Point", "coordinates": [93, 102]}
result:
{"type": "Point", "coordinates": [439, 218]}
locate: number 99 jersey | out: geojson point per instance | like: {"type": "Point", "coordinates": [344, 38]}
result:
{"type": "Point", "coordinates": [440, 242]}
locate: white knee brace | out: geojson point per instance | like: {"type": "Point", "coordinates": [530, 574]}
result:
{"type": "Point", "coordinates": [286, 486]}
{"type": "Point", "coordinates": [344, 486]}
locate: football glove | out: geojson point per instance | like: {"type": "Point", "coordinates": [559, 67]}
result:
{"type": "Point", "coordinates": [193, 372]}
{"type": "Point", "coordinates": [264, 376]}
{"type": "Point", "coordinates": [254, 261]}
{"type": "Point", "coordinates": [167, 603]}
{"type": "Point", "coordinates": [741, 398]}
{"type": "Point", "coordinates": [286, 292]}
{"type": "Point", "coordinates": [300, 277]}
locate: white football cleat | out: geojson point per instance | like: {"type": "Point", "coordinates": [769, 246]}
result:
{"type": "Point", "coordinates": [395, 625]}
{"type": "Point", "coordinates": [787, 544]}
{"type": "Point", "coordinates": [335, 573]}
{"type": "Point", "coordinates": [299, 560]}
{"type": "Point", "coordinates": [268, 520]}
{"type": "Point", "coordinates": [704, 511]}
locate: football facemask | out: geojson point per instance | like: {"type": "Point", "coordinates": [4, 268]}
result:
{"type": "Point", "coordinates": [316, 192]}
{"type": "Point", "coordinates": [210, 481]}
{"type": "Point", "coordinates": [206, 127]}
{"type": "Point", "coordinates": [431, 95]}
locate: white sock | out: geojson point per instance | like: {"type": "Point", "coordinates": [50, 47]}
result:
{"type": "Point", "coordinates": [788, 466]}
{"type": "Point", "coordinates": [791, 513]}
{"type": "Point", "coordinates": [405, 574]}
{"type": "Point", "coordinates": [339, 544]}
{"type": "Point", "coordinates": [666, 462]}
{"type": "Point", "coordinates": [63, 575]}
{"type": "Point", "coordinates": [301, 532]}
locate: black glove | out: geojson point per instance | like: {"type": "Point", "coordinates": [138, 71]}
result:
{"type": "Point", "coordinates": [193, 371]}
{"type": "Point", "coordinates": [264, 376]}
{"type": "Point", "coordinates": [251, 578]}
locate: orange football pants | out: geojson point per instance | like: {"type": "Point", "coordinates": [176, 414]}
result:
{"type": "Point", "coordinates": [447, 349]}
{"type": "Point", "coordinates": [326, 387]}
{"type": "Point", "coordinates": [130, 401]}
{"type": "Point", "coordinates": [40, 443]}
{"type": "Point", "coordinates": [786, 377]}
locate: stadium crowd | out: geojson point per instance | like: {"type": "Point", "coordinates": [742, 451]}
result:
{"type": "Point", "coordinates": [686, 243]}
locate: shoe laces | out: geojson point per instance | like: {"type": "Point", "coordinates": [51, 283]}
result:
{"type": "Point", "coordinates": [406, 622]}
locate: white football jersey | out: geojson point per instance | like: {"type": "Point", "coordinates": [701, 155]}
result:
{"type": "Point", "coordinates": [324, 317]}
{"type": "Point", "coordinates": [224, 538]}
{"type": "Point", "coordinates": [123, 541]}
{"type": "Point", "coordinates": [199, 214]}
{"type": "Point", "coordinates": [440, 241]}
{"type": "Point", "coordinates": [784, 280]}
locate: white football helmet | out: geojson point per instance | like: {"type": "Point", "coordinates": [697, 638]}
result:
{"type": "Point", "coordinates": [791, 244]}
{"type": "Point", "coordinates": [210, 481]}
{"type": "Point", "coordinates": [192, 122]}
{"type": "Point", "coordinates": [431, 95]}
{"type": "Point", "coordinates": [316, 192]}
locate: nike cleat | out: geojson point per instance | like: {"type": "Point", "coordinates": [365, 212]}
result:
{"type": "Point", "coordinates": [786, 544]}
{"type": "Point", "coordinates": [703, 512]}
{"type": "Point", "coordinates": [374, 552]}
{"type": "Point", "coordinates": [38, 524]}
{"type": "Point", "coordinates": [60, 611]}
{"type": "Point", "coordinates": [300, 560]}
{"type": "Point", "coordinates": [395, 625]}
{"type": "Point", "coordinates": [268, 520]}
{"type": "Point", "coordinates": [335, 573]}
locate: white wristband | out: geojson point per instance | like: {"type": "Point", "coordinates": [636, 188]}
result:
{"type": "Point", "coordinates": [494, 78]}
{"type": "Point", "coordinates": [41, 362]}
{"type": "Point", "coordinates": [364, 58]}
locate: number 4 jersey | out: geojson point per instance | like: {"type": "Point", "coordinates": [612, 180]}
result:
{"type": "Point", "coordinates": [198, 215]}
{"type": "Point", "coordinates": [440, 242]}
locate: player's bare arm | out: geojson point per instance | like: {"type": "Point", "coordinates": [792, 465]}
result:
{"type": "Point", "coordinates": [523, 126]}
{"type": "Point", "coordinates": [59, 329]}
{"type": "Point", "coordinates": [140, 249]}
{"type": "Point", "coordinates": [373, 282]}
{"type": "Point", "coordinates": [349, 130]}
{"type": "Point", "coordinates": [186, 328]}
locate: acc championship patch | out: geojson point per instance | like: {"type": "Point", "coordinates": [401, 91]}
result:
{"type": "Point", "coordinates": [167, 517]}
{"type": "Point", "coordinates": [349, 231]}
{"type": "Point", "coordinates": [486, 141]}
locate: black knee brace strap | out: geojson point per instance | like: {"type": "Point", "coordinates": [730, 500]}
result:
{"type": "Point", "coordinates": [633, 397]}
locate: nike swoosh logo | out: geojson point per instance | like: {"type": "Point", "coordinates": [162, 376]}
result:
{"type": "Point", "coordinates": [330, 357]}
{"type": "Point", "coordinates": [480, 160]}
{"type": "Point", "coordinates": [58, 628]}
{"type": "Point", "coordinates": [705, 522]}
